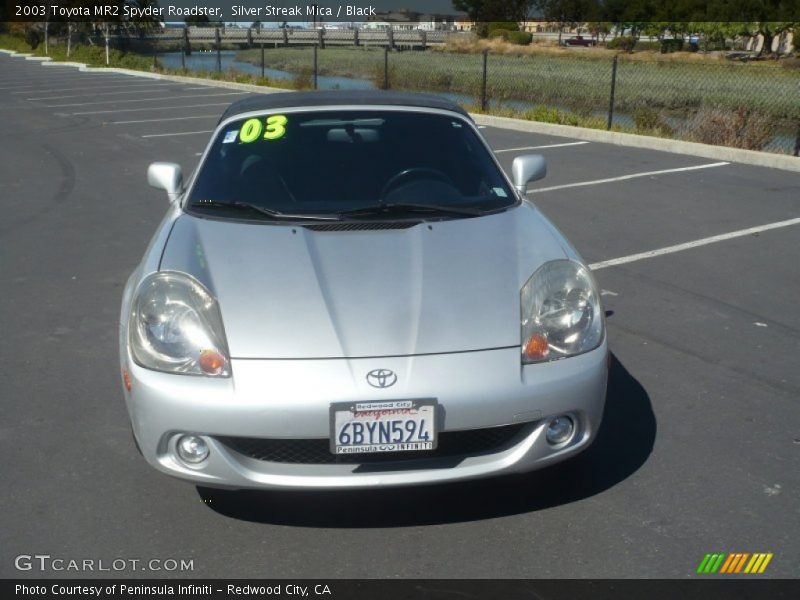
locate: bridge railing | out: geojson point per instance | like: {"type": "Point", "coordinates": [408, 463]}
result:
{"type": "Point", "coordinates": [415, 38]}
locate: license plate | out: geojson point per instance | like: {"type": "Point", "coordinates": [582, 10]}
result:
{"type": "Point", "coordinates": [384, 426]}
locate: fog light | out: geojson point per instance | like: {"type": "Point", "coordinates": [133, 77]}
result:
{"type": "Point", "coordinates": [192, 449]}
{"type": "Point", "coordinates": [560, 430]}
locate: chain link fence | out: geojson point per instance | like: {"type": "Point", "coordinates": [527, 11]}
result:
{"type": "Point", "coordinates": [753, 105]}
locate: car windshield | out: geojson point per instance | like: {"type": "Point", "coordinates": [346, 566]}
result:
{"type": "Point", "coordinates": [387, 164]}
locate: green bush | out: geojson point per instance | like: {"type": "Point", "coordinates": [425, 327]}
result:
{"type": "Point", "coordinates": [740, 128]}
{"type": "Point", "coordinates": [304, 79]}
{"type": "Point", "coordinates": [626, 43]}
{"type": "Point", "coordinates": [485, 29]}
{"type": "Point", "coordinates": [671, 45]}
{"type": "Point", "coordinates": [715, 41]}
{"type": "Point", "coordinates": [645, 117]}
{"type": "Point", "coordinates": [499, 33]}
{"type": "Point", "coordinates": [522, 38]}
{"type": "Point", "coordinates": [640, 45]}
{"type": "Point", "coordinates": [32, 38]}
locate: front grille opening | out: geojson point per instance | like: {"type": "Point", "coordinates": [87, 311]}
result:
{"type": "Point", "coordinates": [452, 444]}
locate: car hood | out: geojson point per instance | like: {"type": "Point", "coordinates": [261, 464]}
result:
{"type": "Point", "coordinates": [286, 291]}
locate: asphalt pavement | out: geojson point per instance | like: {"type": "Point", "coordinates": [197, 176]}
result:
{"type": "Point", "coordinates": [700, 446]}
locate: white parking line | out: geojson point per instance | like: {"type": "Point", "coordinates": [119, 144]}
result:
{"type": "Point", "coordinates": [541, 147]}
{"type": "Point", "coordinates": [92, 94]}
{"type": "Point", "coordinates": [28, 79]}
{"type": "Point", "coordinates": [175, 134]}
{"type": "Point", "coordinates": [113, 86]}
{"type": "Point", "coordinates": [625, 177]}
{"type": "Point", "coordinates": [27, 84]}
{"type": "Point", "coordinates": [147, 99]}
{"type": "Point", "coordinates": [688, 245]}
{"type": "Point", "coordinates": [160, 120]}
{"type": "Point", "coordinates": [154, 108]}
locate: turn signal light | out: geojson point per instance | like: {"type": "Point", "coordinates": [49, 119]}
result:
{"type": "Point", "coordinates": [536, 348]}
{"type": "Point", "coordinates": [126, 379]}
{"type": "Point", "coordinates": [211, 362]}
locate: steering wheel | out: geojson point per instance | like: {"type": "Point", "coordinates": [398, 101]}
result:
{"type": "Point", "coordinates": [412, 172]}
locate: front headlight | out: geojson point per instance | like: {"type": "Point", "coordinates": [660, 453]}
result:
{"type": "Point", "coordinates": [176, 327]}
{"type": "Point", "coordinates": [561, 312]}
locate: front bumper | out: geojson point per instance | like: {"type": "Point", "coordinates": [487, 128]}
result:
{"type": "Point", "coordinates": [280, 399]}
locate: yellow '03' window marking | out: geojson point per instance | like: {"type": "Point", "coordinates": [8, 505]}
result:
{"type": "Point", "coordinates": [253, 128]}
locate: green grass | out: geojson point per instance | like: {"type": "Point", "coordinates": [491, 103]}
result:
{"type": "Point", "coordinates": [236, 77]}
{"type": "Point", "coordinates": [94, 56]}
{"type": "Point", "coordinates": [579, 83]}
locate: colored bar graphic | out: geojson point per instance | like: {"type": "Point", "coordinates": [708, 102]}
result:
{"type": "Point", "coordinates": [765, 563]}
{"type": "Point", "coordinates": [741, 562]}
{"type": "Point", "coordinates": [727, 564]}
{"type": "Point", "coordinates": [703, 563]}
{"type": "Point", "coordinates": [734, 563]}
{"type": "Point", "coordinates": [718, 562]}
{"type": "Point", "coordinates": [755, 562]}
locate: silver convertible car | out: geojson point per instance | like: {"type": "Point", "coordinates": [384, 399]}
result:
{"type": "Point", "coordinates": [348, 292]}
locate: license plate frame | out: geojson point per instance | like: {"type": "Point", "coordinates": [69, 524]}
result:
{"type": "Point", "coordinates": [425, 409]}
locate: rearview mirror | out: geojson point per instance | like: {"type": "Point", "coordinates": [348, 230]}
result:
{"type": "Point", "coordinates": [166, 176]}
{"type": "Point", "coordinates": [527, 168]}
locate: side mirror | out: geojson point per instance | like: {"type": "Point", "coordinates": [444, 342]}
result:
{"type": "Point", "coordinates": [166, 176]}
{"type": "Point", "coordinates": [527, 168]}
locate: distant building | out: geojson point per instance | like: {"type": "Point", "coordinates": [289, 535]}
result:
{"type": "Point", "coordinates": [407, 20]}
{"type": "Point", "coordinates": [461, 24]}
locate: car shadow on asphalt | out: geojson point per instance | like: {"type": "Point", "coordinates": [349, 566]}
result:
{"type": "Point", "coordinates": [623, 444]}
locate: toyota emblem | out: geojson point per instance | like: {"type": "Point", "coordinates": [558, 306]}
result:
{"type": "Point", "coordinates": [381, 378]}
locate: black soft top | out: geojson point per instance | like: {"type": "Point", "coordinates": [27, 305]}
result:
{"type": "Point", "coordinates": [279, 100]}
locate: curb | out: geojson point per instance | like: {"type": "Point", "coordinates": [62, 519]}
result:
{"type": "Point", "coordinates": [84, 68]}
{"type": "Point", "coordinates": [736, 155]}
{"type": "Point", "coordinates": [631, 140]}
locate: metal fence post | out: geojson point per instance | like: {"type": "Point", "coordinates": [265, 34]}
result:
{"type": "Point", "coordinates": [183, 53]}
{"type": "Point", "coordinates": [484, 98]}
{"type": "Point", "coordinates": [219, 49]}
{"type": "Point", "coordinates": [386, 68]}
{"type": "Point", "coordinates": [262, 60]}
{"type": "Point", "coordinates": [187, 49]}
{"type": "Point", "coordinates": [108, 52]}
{"type": "Point", "coordinates": [797, 142]}
{"type": "Point", "coordinates": [613, 91]}
{"type": "Point", "coordinates": [315, 66]}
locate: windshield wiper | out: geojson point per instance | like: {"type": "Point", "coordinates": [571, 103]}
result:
{"type": "Point", "coordinates": [387, 209]}
{"type": "Point", "coordinates": [269, 212]}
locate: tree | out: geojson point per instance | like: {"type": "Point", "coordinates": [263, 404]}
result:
{"type": "Point", "coordinates": [197, 20]}
{"type": "Point", "coordinates": [482, 12]}
{"type": "Point", "coordinates": [567, 13]}
{"type": "Point", "coordinates": [600, 29]}
{"type": "Point", "coordinates": [143, 25]}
